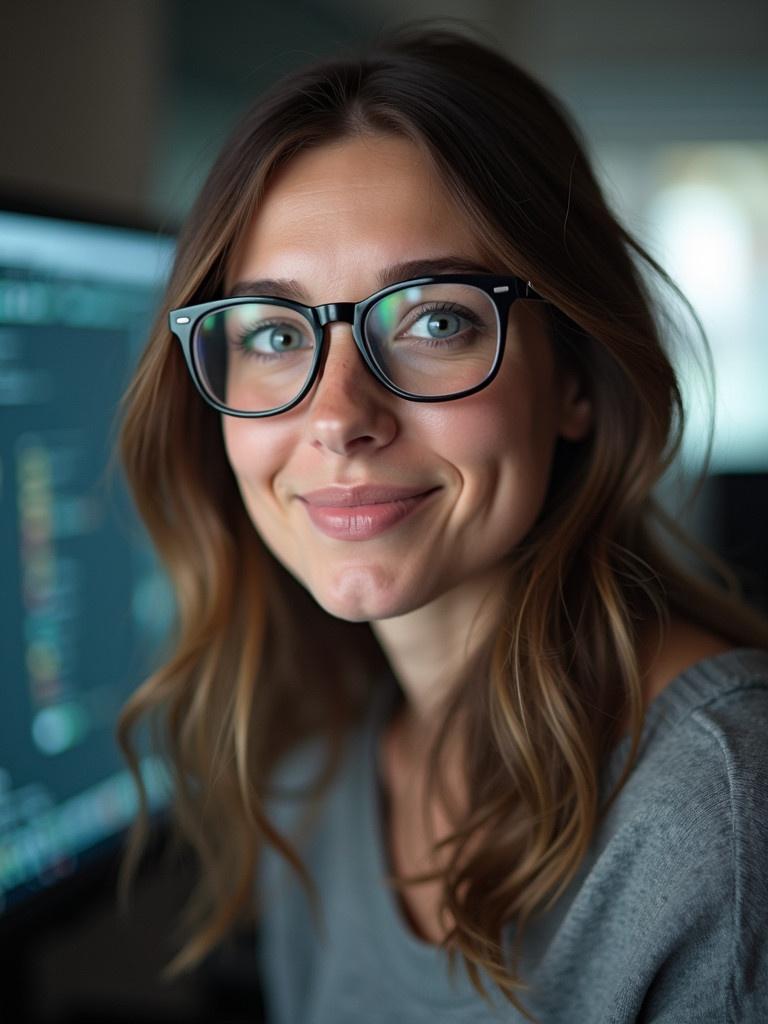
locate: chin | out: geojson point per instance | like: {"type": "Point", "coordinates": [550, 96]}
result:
{"type": "Point", "coordinates": [357, 597]}
{"type": "Point", "coordinates": [361, 611]}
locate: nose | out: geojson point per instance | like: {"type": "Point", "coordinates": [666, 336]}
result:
{"type": "Point", "coordinates": [349, 411]}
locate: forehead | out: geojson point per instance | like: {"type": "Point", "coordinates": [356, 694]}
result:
{"type": "Point", "coordinates": [340, 212]}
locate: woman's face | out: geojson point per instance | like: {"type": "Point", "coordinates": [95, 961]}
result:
{"type": "Point", "coordinates": [471, 474]}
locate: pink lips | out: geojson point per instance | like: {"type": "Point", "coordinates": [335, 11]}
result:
{"type": "Point", "coordinates": [359, 513]}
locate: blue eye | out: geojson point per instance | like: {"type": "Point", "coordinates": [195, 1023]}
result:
{"type": "Point", "coordinates": [272, 339]}
{"type": "Point", "coordinates": [278, 339]}
{"type": "Point", "coordinates": [443, 325]}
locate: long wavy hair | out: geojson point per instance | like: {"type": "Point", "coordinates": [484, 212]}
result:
{"type": "Point", "coordinates": [256, 667]}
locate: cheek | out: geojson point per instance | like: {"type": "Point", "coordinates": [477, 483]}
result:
{"type": "Point", "coordinates": [502, 425]}
{"type": "Point", "coordinates": [236, 444]}
{"type": "Point", "coordinates": [500, 443]}
{"type": "Point", "coordinates": [256, 449]}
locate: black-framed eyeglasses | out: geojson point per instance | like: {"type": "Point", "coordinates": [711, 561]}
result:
{"type": "Point", "coordinates": [432, 339]}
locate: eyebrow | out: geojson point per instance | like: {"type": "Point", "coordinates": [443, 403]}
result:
{"type": "Point", "coordinates": [288, 288]}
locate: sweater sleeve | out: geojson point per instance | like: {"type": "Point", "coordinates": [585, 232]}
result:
{"type": "Point", "coordinates": [714, 964]}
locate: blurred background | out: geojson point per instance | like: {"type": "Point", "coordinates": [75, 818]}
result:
{"type": "Point", "coordinates": [111, 113]}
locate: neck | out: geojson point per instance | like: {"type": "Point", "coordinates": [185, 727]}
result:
{"type": "Point", "coordinates": [433, 649]}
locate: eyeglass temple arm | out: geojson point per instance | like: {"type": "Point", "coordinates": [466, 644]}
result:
{"type": "Point", "coordinates": [531, 293]}
{"type": "Point", "coordinates": [522, 289]}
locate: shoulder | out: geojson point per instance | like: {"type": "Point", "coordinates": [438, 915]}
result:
{"type": "Point", "coordinates": [674, 894]}
{"type": "Point", "coordinates": [728, 727]}
{"type": "Point", "coordinates": [683, 645]}
{"type": "Point", "coordinates": [663, 659]}
{"type": "Point", "coordinates": [698, 792]}
{"type": "Point", "coordinates": [716, 755]}
{"type": "Point", "coordinates": [691, 822]}
{"type": "Point", "coordinates": [707, 718]}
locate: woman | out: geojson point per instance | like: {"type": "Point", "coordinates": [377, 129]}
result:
{"type": "Point", "coordinates": [399, 461]}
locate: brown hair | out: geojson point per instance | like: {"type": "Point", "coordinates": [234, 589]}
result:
{"type": "Point", "coordinates": [257, 666]}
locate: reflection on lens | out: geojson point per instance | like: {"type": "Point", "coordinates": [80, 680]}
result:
{"type": "Point", "coordinates": [434, 339]}
{"type": "Point", "coordinates": [254, 356]}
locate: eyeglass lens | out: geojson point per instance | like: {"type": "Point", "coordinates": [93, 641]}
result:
{"type": "Point", "coordinates": [427, 340]}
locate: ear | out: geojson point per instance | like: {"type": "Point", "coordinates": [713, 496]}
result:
{"type": "Point", "coordinates": [575, 409]}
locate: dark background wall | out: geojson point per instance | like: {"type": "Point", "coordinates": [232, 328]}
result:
{"type": "Point", "coordinates": [122, 105]}
{"type": "Point", "coordinates": [119, 106]}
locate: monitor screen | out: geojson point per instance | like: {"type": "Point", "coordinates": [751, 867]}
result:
{"type": "Point", "coordinates": [84, 605]}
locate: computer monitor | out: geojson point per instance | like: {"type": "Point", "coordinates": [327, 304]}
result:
{"type": "Point", "coordinates": [85, 607]}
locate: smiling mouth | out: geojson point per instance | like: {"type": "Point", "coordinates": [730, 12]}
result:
{"type": "Point", "coordinates": [340, 496]}
{"type": "Point", "coordinates": [362, 513]}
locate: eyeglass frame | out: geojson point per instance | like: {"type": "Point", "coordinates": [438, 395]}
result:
{"type": "Point", "coordinates": [503, 290]}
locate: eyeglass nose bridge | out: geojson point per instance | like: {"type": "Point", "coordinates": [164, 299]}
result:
{"type": "Point", "coordinates": [345, 313]}
{"type": "Point", "coordinates": [335, 312]}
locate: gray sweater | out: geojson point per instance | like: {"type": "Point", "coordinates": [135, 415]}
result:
{"type": "Point", "coordinates": [666, 921]}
